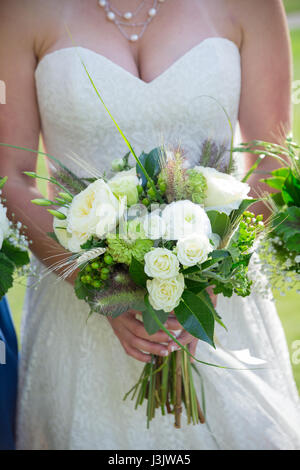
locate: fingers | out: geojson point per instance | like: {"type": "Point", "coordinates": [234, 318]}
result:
{"type": "Point", "coordinates": [173, 324]}
{"type": "Point", "coordinates": [139, 344]}
{"type": "Point", "coordinates": [133, 344]}
{"type": "Point", "coordinates": [149, 347]}
{"type": "Point", "coordinates": [142, 344]}
{"type": "Point", "coordinates": [184, 338]}
{"type": "Point", "coordinates": [136, 354]}
{"type": "Point", "coordinates": [138, 329]}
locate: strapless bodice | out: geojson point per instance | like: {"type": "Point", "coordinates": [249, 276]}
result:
{"type": "Point", "coordinates": [183, 105]}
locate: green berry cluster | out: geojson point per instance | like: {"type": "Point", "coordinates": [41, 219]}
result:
{"type": "Point", "coordinates": [148, 195]}
{"type": "Point", "coordinates": [97, 272]}
{"type": "Point", "coordinates": [250, 225]}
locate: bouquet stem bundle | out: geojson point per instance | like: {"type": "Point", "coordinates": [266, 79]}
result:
{"type": "Point", "coordinates": [167, 383]}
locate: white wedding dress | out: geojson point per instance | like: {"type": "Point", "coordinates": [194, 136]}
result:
{"type": "Point", "coordinates": [74, 373]}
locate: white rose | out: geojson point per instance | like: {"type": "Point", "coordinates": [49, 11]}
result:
{"type": "Point", "coordinates": [95, 211]}
{"type": "Point", "coordinates": [70, 241]}
{"type": "Point", "coordinates": [224, 192]}
{"type": "Point", "coordinates": [76, 240]}
{"type": "Point", "coordinates": [193, 249]}
{"type": "Point", "coordinates": [182, 218]}
{"type": "Point", "coordinates": [125, 184]}
{"type": "Point", "coordinates": [165, 294]}
{"type": "Point", "coordinates": [161, 263]}
{"type": "Point", "coordinates": [154, 227]}
{"type": "Point", "coordinates": [4, 225]}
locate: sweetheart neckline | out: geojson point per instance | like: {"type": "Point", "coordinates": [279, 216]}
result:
{"type": "Point", "coordinates": [134, 77]}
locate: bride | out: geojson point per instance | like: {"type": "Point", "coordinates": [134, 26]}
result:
{"type": "Point", "coordinates": [75, 373]}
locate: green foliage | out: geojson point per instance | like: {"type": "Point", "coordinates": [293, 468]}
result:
{"type": "Point", "coordinates": [53, 236]}
{"type": "Point", "coordinates": [197, 186]}
{"type": "Point", "coordinates": [3, 181]}
{"type": "Point", "coordinates": [220, 223]}
{"type": "Point", "coordinates": [292, 6]}
{"type": "Point", "coordinates": [291, 190]}
{"type": "Point", "coordinates": [7, 268]}
{"type": "Point", "coordinates": [15, 254]}
{"type": "Point", "coordinates": [122, 249]}
{"type": "Point", "coordinates": [151, 326]}
{"type": "Point", "coordinates": [152, 163]}
{"type": "Point", "coordinates": [137, 272]}
{"type": "Point", "coordinates": [196, 317]}
{"type": "Point", "coordinates": [82, 291]}
{"type": "Point", "coordinates": [286, 225]}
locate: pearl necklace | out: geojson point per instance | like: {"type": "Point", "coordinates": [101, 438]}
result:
{"type": "Point", "coordinates": [122, 20]}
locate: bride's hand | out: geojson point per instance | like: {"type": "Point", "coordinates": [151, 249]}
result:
{"type": "Point", "coordinates": [135, 340]}
{"type": "Point", "coordinates": [138, 344]}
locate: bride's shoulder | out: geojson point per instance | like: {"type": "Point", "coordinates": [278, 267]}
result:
{"type": "Point", "coordinates": [257, 15]}
{"type": "Point", "coordinates": [27, 25]}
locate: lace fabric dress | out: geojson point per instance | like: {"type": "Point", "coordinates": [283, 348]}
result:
{"type": "Point", "coordinates": [74, 373]}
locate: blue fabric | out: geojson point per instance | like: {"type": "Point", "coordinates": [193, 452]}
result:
{"type": "Point", "coordinates": [8, 377]}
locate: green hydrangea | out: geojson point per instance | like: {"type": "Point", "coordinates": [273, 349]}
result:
{"type": "Point", "coordinates": [197, 186]}
{"type": "Point", "coordinates": [122, 248]}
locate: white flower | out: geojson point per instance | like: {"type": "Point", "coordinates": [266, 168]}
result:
{"type": "Point", "coordinates": [224, 192]}
{"type": "Point", "coordinates": [76, 240]}
{"type": "Point", "coordinates": [125, 184]}
{"type": "Point", "coordinates": [297, 259]}
{"type": "Point", "coordinates": [193, 249]}
{"type": "Point", "coordinates": [69, 241]}
{"type": "Point", "coordinates": [154, 226]}
{"type": "Point", "coordinates": [182, 218]}
{"type": "Point", "coordinates": [95, 211]}
{"type": "Point", "coordinates": [4, 225]}
{"type": "Point", "coordinates": [161, 263]}
{"type": "Point", "coordinates": [165, 294]}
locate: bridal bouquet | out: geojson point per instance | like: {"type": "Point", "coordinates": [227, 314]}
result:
{"type": "Point", "coordinates": [153, 238]}
{"type": "Point", "coordinates": [280, 249]}
{"type": "Point", "coordinates": [13, 248]}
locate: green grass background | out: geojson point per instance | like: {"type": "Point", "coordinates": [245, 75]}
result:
{"type": "Point", "coordinates": [292, 6]}
{"type": "Point", "coordinates": [288, 306]}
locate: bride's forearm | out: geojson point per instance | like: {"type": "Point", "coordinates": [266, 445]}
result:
{"type": "Point", "coordinates": [259, 189]}
{"type": "Point", "coordinates": [19, 191]}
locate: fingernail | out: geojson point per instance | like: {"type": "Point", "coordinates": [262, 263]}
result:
{"type": "Point", "coordinates": [174, 348]}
